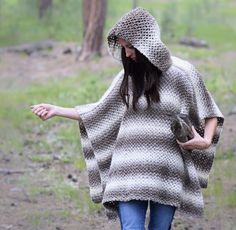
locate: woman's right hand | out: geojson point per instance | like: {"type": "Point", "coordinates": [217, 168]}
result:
{"type": "Point", "coordinates": [44, 111]}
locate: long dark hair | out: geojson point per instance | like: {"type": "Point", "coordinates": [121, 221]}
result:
{"type": "Point", "coordinates": [145, 79]}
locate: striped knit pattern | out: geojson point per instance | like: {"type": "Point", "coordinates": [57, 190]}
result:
{"type": "Point", "coordinates": [134, 155]}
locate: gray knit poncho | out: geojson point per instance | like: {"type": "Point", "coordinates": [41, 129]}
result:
{"type": "Point", "coordinates": [134, 155]}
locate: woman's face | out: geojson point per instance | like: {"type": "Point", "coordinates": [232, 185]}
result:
{"type": "Point", "coordinates": [129, 49]}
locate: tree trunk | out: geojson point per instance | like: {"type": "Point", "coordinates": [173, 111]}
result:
{"type": "Point", "coordinates": [94, 19]}
{"type": "Point", "coordinates": [135, 3]}
{"type": "Point", "coordinates": [86, 12]}
{"type": "Point", "coordinates": [44, 5]}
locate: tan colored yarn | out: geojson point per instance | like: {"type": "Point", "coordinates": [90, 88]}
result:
{"type": "Point", "coordinates": [134, 155]}
{"type": "Point", "coordinates": [140, 28]}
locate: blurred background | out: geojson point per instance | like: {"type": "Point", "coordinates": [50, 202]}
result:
{"type": "Point", "coordinates": [55, 51]}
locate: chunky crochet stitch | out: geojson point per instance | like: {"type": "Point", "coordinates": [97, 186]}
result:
{"type": "Point", "coordinates": [140, 28]}
{"type": "Point", "coordinates": [134, 155]}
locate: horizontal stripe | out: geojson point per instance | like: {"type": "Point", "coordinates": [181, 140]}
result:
{"type": "Point", "coordinates": [144, 156]}
{"type": "Point", "coordinates": [96, 190]}
{"type": "Point", "coordinates": [134, 155]}
{"type": "Point", "coordinates": [169, 195]}
{"type": "Point", "coordinates": [137, 144]}
{"type": "Point", "coordinates": [147, 132]}
{"type": "Point", "coordinates": [100, 125]}
{"type": "Point", "coordinates": [146, 170]}
{"type": "Point", "coordinates": [193, 204]}
{"type": "Point", "coordinates": [91, 164]}
{"type": "Point", "coordinates": [138, 182]}
{"type": "Point", "coordinates": [104, 162]}
{"type": "Point", "coordinates": [88, 152]}
{"type": "Point", "coordinates": [96, 194]}
{"type": "Point", "coordinates": [94, 178]}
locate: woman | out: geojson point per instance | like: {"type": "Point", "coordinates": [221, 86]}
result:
{"type": "Point", "coordinates": [132, 157]}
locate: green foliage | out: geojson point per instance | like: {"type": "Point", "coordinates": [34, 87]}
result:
{"type": "Point", "coordinates": [220, 36]}
{"type": "Point", "coordinates": [191, 53]}
{"type": "Point", "coordinates": [168, 22]}
{"type": "Point", "coordinates": [211, 20]}
{"type": "Point", "coordinates": [79, 164]}
{"type": "Point", "coordinates": [231, 199]}
{"type": "Point", "coordinates": [62, 22]}
{"type": "Point", "coordinates": [80, 197]}
{"type": "Point", "coordinates": [15, 109]}
{"type": "Point", "coordinates": [38, 218]}
{"type": "Point", "coordinates": [221, 183]}
{"type": "Point", "coordinates": [219, 81]}
{"type": "Point", "coordinates": [40, 158]}
{"type": "Point", "coordinates": [206, 19]}
{"type": "Point", "coordinates": [64, 191]}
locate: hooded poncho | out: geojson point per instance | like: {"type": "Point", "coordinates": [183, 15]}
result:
{"type": "Point", "coordinates": [134, 155]}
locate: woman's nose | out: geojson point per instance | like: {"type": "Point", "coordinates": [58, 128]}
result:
{"type": "Point", "coordinates": [128, 53]}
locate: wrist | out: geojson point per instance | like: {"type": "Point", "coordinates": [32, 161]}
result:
{"type": "Point", "coordinates": [58, 111]}
{"type": "Point", "coordinates": [207, 141]}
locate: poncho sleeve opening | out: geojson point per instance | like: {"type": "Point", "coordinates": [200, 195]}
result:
{"type": "Point", "coordinates": [205, 107]}
{"type": "Point", "coordinates": [99, 126]}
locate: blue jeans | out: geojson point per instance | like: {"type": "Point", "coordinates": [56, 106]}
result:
{"type": "Point", "coordinates": [132, 215]}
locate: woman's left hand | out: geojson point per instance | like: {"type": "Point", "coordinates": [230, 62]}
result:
{"type": "Point", "coordinates": [197, 142]}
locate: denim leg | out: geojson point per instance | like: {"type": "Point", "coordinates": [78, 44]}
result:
{"type": "Point", "coordinates": [161, 216]}
{"type": "Point", "coordinates": [132, 214]}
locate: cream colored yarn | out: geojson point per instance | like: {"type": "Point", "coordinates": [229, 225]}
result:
{"type": "Point", "coordinates": [140, 28]}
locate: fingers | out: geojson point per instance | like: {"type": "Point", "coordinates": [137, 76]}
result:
{"type": "Point", "coordinates": [34, 107]}
{"type": "Point", "coordinates": [196, 143]}
{"type": "Point", "coordinates": [44, 113]}
{"type": "Point", "coordinates": [44, 117]}
{"type": "Point", "coordinates": [180, 143]}
{"type": "Point", "coordinates": [194, 131]}
{"type": "Point", "coordinates": [186, 145]}
{"type": "Point", "coordinates": [39, 110]}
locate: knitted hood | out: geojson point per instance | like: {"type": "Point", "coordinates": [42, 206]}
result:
{"type": "Point", "coordinates": [140, 28]}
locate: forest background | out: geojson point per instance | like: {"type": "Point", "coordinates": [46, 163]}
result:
{"type": "Point", "coordinates": [43, 178]}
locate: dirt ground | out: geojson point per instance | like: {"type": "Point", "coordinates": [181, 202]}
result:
{"type": "Point", "coordinates": [18, 210]}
